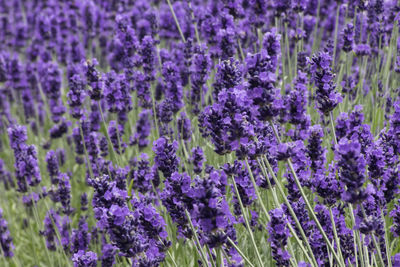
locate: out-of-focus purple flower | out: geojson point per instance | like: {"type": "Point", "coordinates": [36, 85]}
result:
{"type": "Point", "coordinates": [58, 130]}
{"type": "Point", "coordinates": [229, 74]}
{"type": "Point", "coordinates": [108, 255]}
{"type": "Point", "coordinates": [295, 104]}
{"type": "Point", "coordinates": [115, 131]}
{"type": "Point", "coordinates": [348, 38]}
{"type": "Point", "coordinates": [245, 187]}
{"type": "Point", "coordinates": [184, 127]}
{"type": "Point", "coordinates": [143, 129]}
{"type": "Point", "coordinates": [172, 84]}
{"type": "Point", "coordinates": [199, 74]}
{"type": "Point", "coordinates": [326, 96]}
{"type": "Point", "coordinates": [231, 122]}
{"type": "Point", "coordinates": [351, 164]}
{"type": "Point", "coordinates": [51, 224]}
{"type": "Point", "coordinates": [261, 84]}
{"type": "Point", "coordinates": [84, 202]}
{"type": "Point", "coordinates": [26, 163]}
{"type": "Point", "coordinates": [85, 259]}
{"type": "Point", "coordinates": [197, 159]}
{"type": "Point", "coordinates": [80, 237]}
{"type": "Point", "coordinates": [52, 166]}
{"type": "Point", "coordinates": [6, 177]}
{"type": "Point", "coordinates": [175, 199]}
{"type": "Point", "coordinates": [117, 94]}
{"type": "Point", "coordinates": [143, 176]}
{"type": "Point", "coordinates": [279, 234]}
{"type": "Point", "coordinates": [362, 50]}
{"type": "Point", "coordinates": [76, 95]}
{"type": "Point", "coordinates": [166, 159]}
{"type": "Point", "coordinates": [6, 241]}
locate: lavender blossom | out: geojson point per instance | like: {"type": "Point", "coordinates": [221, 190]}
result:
{"type": "Point", "coordinates": [85, 259]}
{"type": "Point", "coordinates": [326, 96]}
{"type": "Point", "coordinates": [166, 159]}
{"type": "Point", "coordinates": [6, 241]}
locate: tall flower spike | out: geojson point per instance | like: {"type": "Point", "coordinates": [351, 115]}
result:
{"type": "Point", "coordinates": [165, 156]}
{"type": "Point", "coordinates": [76, 96]}
{"type": "Point", "coordinates": [326, 96]}
{"type": "Point", "coordinates": [351, 164]}
{"type": "Point", "coordinates": [279, 234]}
{"type": "Point", "coordinates": [348, 38]}
{"type": "Point", "coordinates": [173, 86]}
{"type": "Point", "coordinates": [51, 224]}
{"type": "Point", "coordinates": [26, 164]}
{"type": "Point", "coordinates": [197, 159]}
{"type": "Point", "coordinates": [85, 259]}
{"type": "Point", "coordinates": [6, 241]}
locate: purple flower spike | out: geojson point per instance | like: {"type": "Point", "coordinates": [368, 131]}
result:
{"type": "Point", "coordinates": [6, 241]}
{"type": "Point", "coordinates": [166, 160]}
{"type": "Point", "coordinates": [326, 96]}
{"type": "Point", "coordinates": [85, 259]}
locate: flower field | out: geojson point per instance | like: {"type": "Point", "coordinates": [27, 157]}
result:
{"type": "Point", "coordinates": [200, 133]}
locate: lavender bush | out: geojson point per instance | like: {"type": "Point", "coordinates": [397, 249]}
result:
{"type": "Point", "coordinates": [200, 133]}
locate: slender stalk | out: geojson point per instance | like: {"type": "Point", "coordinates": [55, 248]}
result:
{"type": "Point", "coordinates": [336, 236]}
{"type": "Point", "coordinates": [197, 241]}
{"type": "Point", "coordinates": [294, 216]}
{"type": "Point", "coordinates": [388, 252]}
{"type": "Point", "coordinates": [194, 22]}
{"type": "Point", "coordinates": [240, 252]}
{"type": "Point", "coordinates": [336, 32]}
{"type": "Point", "coordinates": [378, 249]}
{"type": "Point", "coordinates": [309, 207]}
{"type": "Point", "coordinates": [107, 135]}
{"type": "Point", "coordinates": [176, 21]}
{"type": "Point", "coordinates": [244, 212]}
{"type": "Point", "coordinates": [357, 236]}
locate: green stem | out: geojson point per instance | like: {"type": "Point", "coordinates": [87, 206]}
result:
{"type": "Point", "coordinates": [244, 212]}
{"type": "Point", "coordinates": [240, 252]}
{"type": "Point", "coordinates": [294, 216]}
{"type": "Point", "coordinates": [197, 241]}
{"type": "Point", "coordinates": [176, 21]}
{"type": "Point", "coordinates": [336, 32]}
{"type": "Point", "coordinates": [336, 235]}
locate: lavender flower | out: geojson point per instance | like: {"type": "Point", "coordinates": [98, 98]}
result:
{"type": "Point", "coordinates": [279, 234]}
{"type": "Point", "coordinates": [26, 164]}
{"type": "Point", "coordinates": [175, 199]}
{"type": "Point", "coordinates": [115, 131]}
{"type": "Point", "coordinates": [230, 123]}
{"type": "Point", "coordinates": [197, 159]}
{"type": "Point", "coordinates": [229, 74]}
{"type": "Point", "coordinates": [6, 241]}
{"type": "Point", "coordinates": [173, 86]}
{"type": "Point", "coordinates": [85, 259]}
{"type": "Point", "coordinates": [108, 255]}
{"type": "Point", "coordinates": [351, 165]}
{"type": "Point", "coordinates": [348, 38]}
{"type": "Point", "coordinates": [52, 166]}
{"type": "Point", "coordinates": [143, 129]}
{"type": "Point", "coordinates": [326, 96]}
{"type": "Point", "coordinates": [184, 127]}
{"type": "Point", "coordinates": [76, 96]}
{"type": "Point", "coordinates": [51, 224]}
{"type": "Point", "coordinates": [80, 238]}
{"type": "Point", "coordinates": [166, 159]}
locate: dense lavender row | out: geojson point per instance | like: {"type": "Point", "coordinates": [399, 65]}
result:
{"type": "Point", "coordinates": [200, 133]}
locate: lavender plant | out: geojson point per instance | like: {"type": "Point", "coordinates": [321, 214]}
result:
{"type": "Point", "coordinates": [200, 133]}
